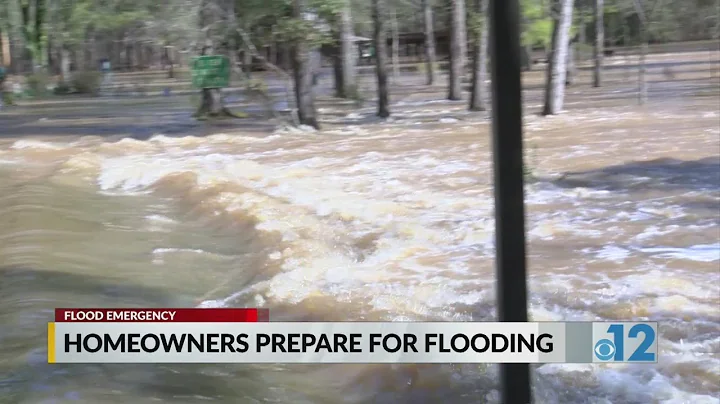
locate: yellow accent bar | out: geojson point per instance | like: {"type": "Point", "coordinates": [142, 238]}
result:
{"type": "Point", "coordinates": [51, 342]}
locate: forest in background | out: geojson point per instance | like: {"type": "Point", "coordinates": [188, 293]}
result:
{"type": "Point", "coordinates": [65, 40]}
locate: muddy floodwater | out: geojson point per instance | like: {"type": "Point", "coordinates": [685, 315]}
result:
{"type": "Point", "coordinates": [380, 221]}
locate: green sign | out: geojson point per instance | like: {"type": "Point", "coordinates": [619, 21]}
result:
{"type": "Point", "coordinates": [210, 71]}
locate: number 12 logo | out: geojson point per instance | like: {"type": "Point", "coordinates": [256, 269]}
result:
{"type": "Point", "coordinates": [607, 350]}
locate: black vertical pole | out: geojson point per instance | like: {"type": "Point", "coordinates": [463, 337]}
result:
{"type": "Point", "coordinates": [509, 193]}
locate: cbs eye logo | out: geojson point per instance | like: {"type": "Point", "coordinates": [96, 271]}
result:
{"type": "Point", "coordinates": [605, 350]}
{"type": "Point", "coordinates": [612, 349]}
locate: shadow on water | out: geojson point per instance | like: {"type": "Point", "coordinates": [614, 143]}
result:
{"type": "Point", "coordinates": [660, 174]}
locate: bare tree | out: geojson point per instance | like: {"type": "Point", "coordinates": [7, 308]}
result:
{"type": "Point", "coordinates": [479, 66]}
{"type": "Point", "coordinates": [303, 73]}
{"type": "Point", "coordinates": [599, 42]}
{"type": "Point", "coordinates": [557, 63]}
{"type": "Point", "coordinates": [380, 40]}
{"type": "Point", "coordinates": [429, 41]}
{"type": "Point", "coordinates": [457, 64]}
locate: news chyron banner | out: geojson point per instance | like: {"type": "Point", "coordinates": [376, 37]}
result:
{"type": "Point", "coordinates": [247, 336]}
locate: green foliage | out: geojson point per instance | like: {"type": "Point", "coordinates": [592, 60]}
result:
{"type": "Point", "coordinates": [289, 29]}
{"type": "Point", "coordinates": [328, 10]}
{"type": "Point", "coordinates": [475, 23]}
{"type": "Point", "coordinates": [37, 84]}
{"type": "Point", "coordinates": [538, 24]}
{"type": "Point", "coordinates": [87, 82]}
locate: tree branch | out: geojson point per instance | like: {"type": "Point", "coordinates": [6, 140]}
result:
{"type": "Point", "coordinates": [288, 80]}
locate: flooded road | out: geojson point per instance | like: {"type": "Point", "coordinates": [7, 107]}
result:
{"type": "Point", "coordinates": [384, 221]}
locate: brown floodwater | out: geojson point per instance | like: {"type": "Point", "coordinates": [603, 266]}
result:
{"type": "Point", "coordinates": [384, 221]}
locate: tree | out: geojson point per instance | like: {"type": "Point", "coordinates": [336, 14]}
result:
{"type": "Point", "coordinates": [209, 16]}
{"type": "Point", "coordinates": [380, 41]}
{"type": "Point", "coordinates": [457, 64]}
{"type": "Point", "coordinates": [18, 45]}
{"type": "Point", "coordinates": [395, 43]}
{"type": "Point", "coordinates": [303, 73]}
{"type": "Point", "coordinates": [4, 48]}
{"type": "Point", "coordinates": [536, 29]}
{"type": "Point", "coordinates": [462, 35]}
{"type": "Point", "coordinates": [334, 25]}
{"type": "Point", "coordinates": [211, 22]}
{"type": "Point", "coordinates": [570, 66]}
{"type": "Point", "coordinates": [479, 65]}
{"type": "Point", "coordinates": [348, 50]}
{"type": "Point", "coordinates": [599, 42]}
{"type": "Point", "coordinates": [429, 41]}
{"type": "Point", "coordinates": [557, 63]}
{"type": "Point", "coordinates": [642, 82]}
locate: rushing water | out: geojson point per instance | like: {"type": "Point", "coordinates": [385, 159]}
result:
{"type": "Point", "coordinates": [391, 221]}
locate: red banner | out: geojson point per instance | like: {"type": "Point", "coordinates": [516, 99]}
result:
{"type": "Point", "coordinates": [163, 315]}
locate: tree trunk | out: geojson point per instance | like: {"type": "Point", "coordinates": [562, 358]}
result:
{"type": "Point", "coordinates": [429, 41]}
{"type": "Point", "coordinates": [479, 66]}
{"type": "Point", "coordinates": [211, 104]}
{"type": "Point", "coordinates": [303, 74]}
{"type": "Point", "coordinates": [337, 62]}
{"type": "Point", "coordinates": [5, 49]}
{"type": "Point", "coordinates": [32, 35]}
{"type": "Point", "coordinates": [119, 48]}
{"type": "Point", "coordinates": [129, 56]}
{"type": "Point", "coordinates": [287, 57]}
{"type": "Point", "coordinates": [18, 46]}
{"type": "Point", "coordinates": [642, 80]}
{"type": "Point", "coordinates": [171, 61]}
{"type": "Point", "coordinates": [556, 70]}
{"type": "Point", "coordinates": [89, 58]}
{"type": "Point", "coordinates": [395, 45]}
{"type": "Point", "coordinates": [247, 64]}
{"type": "Point", "coordinates": [571, 66]}
{"type": "Point", "coordinates": [61, 59]}
{"type": "Point", "coordinates": [347, 48]}
{"type": "Point", "coordinates": [139, 63]}
{"type": "Point", "coordinates": [232, 36]}
{"type": "Point", "coordinates": [53, 32]}
{"type": "Point", "coordinates": [456, 62]}
{"type": "Point", "coordinates": [599, 43]}
{"type": "Point", "coordinates": [462, 36]}
{"type": "Point", "coordinates": [64, 63]}
{"type": "Point", "coordinates": [526, 61]}
{"type": "Point", "coordinates": [380, 39]}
